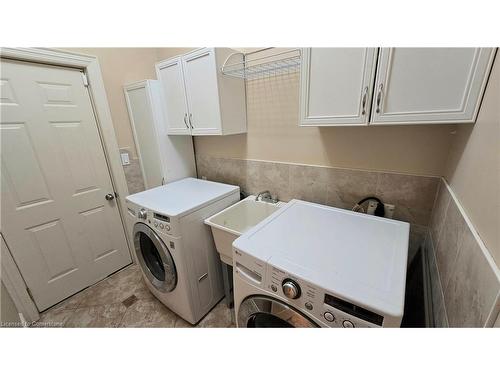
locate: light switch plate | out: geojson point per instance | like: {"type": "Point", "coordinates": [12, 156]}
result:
{"type": "Point", "coordinates": [125, 158]}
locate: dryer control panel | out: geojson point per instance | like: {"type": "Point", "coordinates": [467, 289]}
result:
{"type": "Point", "coordinates": [317, 302]}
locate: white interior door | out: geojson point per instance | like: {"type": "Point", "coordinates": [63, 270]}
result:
{"type": "Point", "coordinates": [200, 74]}
{"type": "Point", "coordinates": [171, 76]}
{"type": "Point", "coordinates": [430, 85]}
{"type": "Point", "coordinates": [336, 85]}
{"type": "Point", "coordinates": [62, 232]}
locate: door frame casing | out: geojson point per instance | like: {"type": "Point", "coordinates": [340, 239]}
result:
{"type": "Point", "coordinates": [90, 66]}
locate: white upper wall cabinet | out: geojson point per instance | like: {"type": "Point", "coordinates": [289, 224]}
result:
{"type": "Point", "coordinates": [336, 85]}
{"type": "Point", "coordinates": [162, 158]}
{"type": "Point", "coordinates": [200, 77]}
{"type": "Point", "coordinates": [199, 100]}
{"type": "Point", "coordinates": [430, 85]}
{"type": "Point", "coordinates": [176, 110]}
{"type": "Point", "coordinates": [341, 86]}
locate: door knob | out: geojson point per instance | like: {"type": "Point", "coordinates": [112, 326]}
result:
{"type": "Point", "coordinates": [109, 197]}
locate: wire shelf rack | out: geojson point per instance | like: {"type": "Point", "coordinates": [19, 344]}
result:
{"type": "Point", "coordinates": [262, 67]}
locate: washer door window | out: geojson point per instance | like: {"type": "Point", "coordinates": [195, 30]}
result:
{"type": "Point", "coordinates": [267, 312]}
{"type": "Point", "coordinates": [154, 258]}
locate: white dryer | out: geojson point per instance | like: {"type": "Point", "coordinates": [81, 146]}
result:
{"type": "Point", "coordinates": [309, 265]}
{"type": "Point", "coordinates": [174, 248]}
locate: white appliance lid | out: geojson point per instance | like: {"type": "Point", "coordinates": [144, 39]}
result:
{"type": "Point", "coordinates": [182, 197]}
{"type": "Point", "coordinates": [358, 257]}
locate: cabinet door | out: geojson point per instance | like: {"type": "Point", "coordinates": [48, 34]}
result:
{"type": "Point", "coordinates": [171, 76]}
{"type": "Point", "coordinates": [336, 85]}
{"type": "Point", "coordinates": [430, 85]}
{"type": "Point", "coordinates": [146, 139]}
{"type": "Point", "coordinates": [200, 74]}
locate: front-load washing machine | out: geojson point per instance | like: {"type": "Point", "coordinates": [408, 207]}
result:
{"type": "Point", "coordinates": [309, 265]}
{"type": "Point", "coordinates": [174, 248]}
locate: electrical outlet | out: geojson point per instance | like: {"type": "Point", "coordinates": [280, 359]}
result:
{"type": "Point", "coordinates": [389, 210]}
{"type": "Point", "coordinates": [372, 205]}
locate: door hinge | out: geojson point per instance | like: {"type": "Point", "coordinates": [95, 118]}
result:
{"type": "Point", "coordinates": [85, 80]}
{"type": "Point", "coordinates": [30, 294]}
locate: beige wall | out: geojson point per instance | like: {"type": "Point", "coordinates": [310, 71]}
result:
{"type": "Point", "coordinates": [120, 66]}
{"type": "Point", "coordinates": [273, 131]}
{"type": "Point", "coordinates": [473, 168]}
{"type": "Point", "coordinates": [166, 53]}
{"type": "Point", "coordinates": [274, 134]}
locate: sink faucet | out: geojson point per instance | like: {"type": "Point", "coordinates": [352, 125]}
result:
{"type": "Point", "coordinates": [265, 196]}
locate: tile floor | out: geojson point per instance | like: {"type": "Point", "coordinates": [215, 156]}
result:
{"type": "Point", "coordinates": [123, 300]}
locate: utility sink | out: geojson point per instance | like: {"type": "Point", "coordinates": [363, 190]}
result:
{"type": "Point", "coordinates": [235, 220]}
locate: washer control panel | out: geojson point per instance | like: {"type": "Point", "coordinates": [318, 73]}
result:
{"type": "Point", "coordinates": [161, 226]}
{"type": "Point", "coordinates": [318, 303]}
{"type": "Point", "coordinates": [160, 223]}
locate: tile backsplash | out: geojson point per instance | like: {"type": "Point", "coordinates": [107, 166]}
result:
{"type": "Point", "coordinates": [133, 174]}
{"type": "Point", "coordinates": [465, 284]}
{"type": "Point", "coordinates": [465, 280]}
{"type": "Point", "coordinates": [413, 195]}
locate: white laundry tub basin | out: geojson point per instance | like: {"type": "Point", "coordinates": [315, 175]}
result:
{"type": "Point", "coordinates": [235, 220]}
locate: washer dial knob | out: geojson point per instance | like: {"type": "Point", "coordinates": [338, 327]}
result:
{"type": "Point", "coordinates": [348, 324]}
{"type": "Point", "coordinates": [142, 214]}
{"type": "Point", "coordinates": [291, 289]}
{"type": "Point", "coordinates": [329, 316]}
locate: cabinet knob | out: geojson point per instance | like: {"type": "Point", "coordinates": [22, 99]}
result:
{"type": "Point", "coordinates": [109, 197]}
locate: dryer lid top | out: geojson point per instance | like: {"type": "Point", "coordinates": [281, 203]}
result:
{"type": "Point", "coordinates": [182, 197]}
{"type": "Point", "coordinates": [359, 257]}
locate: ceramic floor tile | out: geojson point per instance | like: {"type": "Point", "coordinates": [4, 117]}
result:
{"type": "Point", "coordinates": [54, 318]}
{"type": "Point", "coordinates": [123, 300]}
{"type": "Point", "coordinates": [114, 289]}
{"type": "Point", "coordinates": [219, 317]}
{"type": "Point", "coordinates": [181, 323]}
{"type": "Point", "coordinates": [70, 303]}
{"type": "Point", "coordinates": [142, 292]}
{"type": "Point", "coordinates": [150, 314]}
{"type": "Point", "coordinates": [104, 316]}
